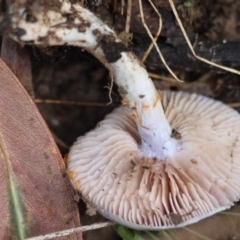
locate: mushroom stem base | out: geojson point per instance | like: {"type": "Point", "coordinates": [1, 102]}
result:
{"type": "Point", "coordinates": [155, 132]}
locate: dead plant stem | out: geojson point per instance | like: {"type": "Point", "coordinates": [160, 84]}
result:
{"type": "Point", "coordinates": [72, 231]}
{"type": "Point", "coordinates": [154, 41]}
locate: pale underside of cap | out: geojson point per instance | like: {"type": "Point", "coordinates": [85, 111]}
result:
{"type": "Point", "coordinates": [200, 178]}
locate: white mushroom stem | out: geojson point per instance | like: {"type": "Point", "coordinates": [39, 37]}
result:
{"type": "Point", "coordinates": [71, 24]}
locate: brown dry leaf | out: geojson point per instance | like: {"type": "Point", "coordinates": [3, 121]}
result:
{"type": "Point", "coordinates": [18, 60]}
{"type": "Point", "coordinates": [35, 195]}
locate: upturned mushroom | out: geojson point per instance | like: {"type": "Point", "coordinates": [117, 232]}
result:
{"type": "Point", "coordinates": [143, 166]}
{"type": "Point", "coordinates": [115, 172]}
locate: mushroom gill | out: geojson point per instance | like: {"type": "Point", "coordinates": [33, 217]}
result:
{"type": "Point", "coordinates": [201, 177]}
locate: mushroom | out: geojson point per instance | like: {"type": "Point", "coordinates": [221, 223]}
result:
{"type": "Point", "coordinates": [142, 166]}
{"type": "Point", "coordinates": [199, 177]}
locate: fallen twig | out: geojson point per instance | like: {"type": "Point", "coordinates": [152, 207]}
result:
{"type": "Point", "coordinates": [147, 52]}
{"type": "Point", "coordinates": [72, 230]}
{"type": "Point", "coordinates": [66, 102]}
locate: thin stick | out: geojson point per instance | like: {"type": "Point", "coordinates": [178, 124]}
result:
{"type": "Point", "coordinates": [173, 234]}
{"type": "Point", "coordinates": [155, 44]}
{"type": "Point", "coordinates": [60, 142]}
{"type": "Point", "coordinates": [156, 76]}
{"type": "Point", "coordinates": [165, 234]}
{"type": "Point", "coordinates": [190, 45]}
{"type": "Point", "coordinates": [230, 213]}
{"type": "Point", "coordinates": [128, 18]}
{"type": "Point", "coordinates": [234, 105]}
{"type": "Point", "coordinates": [65, 102]}
{"type": "Point", "coordinates": [157, 34]}
{"type": "Point", "coordinates": [197, 234]}
{"type": "Point", "coordinates": [122, 6]}
{"type": "Point", "coordinates": [72, 230]}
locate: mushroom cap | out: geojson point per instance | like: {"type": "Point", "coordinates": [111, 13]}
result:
{"type": "Point", "coordinates": [200, 178]}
